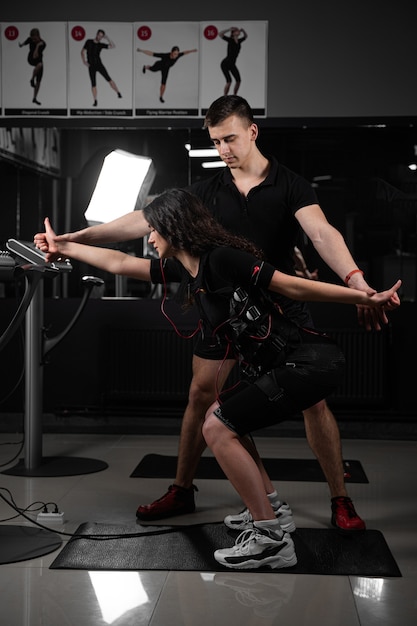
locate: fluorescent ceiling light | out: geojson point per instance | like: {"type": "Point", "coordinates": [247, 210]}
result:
{"type": "Point", "coordinates": [323, 177]}
{"type": "Point", "coordinates": [213, 164]}
{"type": "Point", "coordinates": [122, 186]}
{"type": "Point", "coordinates": [202, 153]}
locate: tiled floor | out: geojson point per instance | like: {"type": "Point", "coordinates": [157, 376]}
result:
{"type": "Point", "coordinates": [33, 595]}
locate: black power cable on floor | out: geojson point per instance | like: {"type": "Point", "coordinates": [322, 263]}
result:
{"type": "Point", "coordinates": [22, 513]}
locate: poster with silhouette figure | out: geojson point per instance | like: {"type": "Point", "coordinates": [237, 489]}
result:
{"type": "Point", "coordinates": [166, 69]}
{"type": "Point", "coordinates": [34, 69]}
{"type": "Point", "coordinates": [233, 60]}
{"type": "Point", "coordinates": [100, 69]}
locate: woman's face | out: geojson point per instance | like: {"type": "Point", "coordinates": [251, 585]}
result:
{"type": "Point", "coordinates": [160, 244]}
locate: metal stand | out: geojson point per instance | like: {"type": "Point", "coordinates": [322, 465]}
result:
{"type": "Point", "coordinates": [34, 464]}
{"type": "Point", "coordinates": [21, 543]}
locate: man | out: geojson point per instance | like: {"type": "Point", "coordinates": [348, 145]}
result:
{"type": "Point", "coordinates": [259, 198]}
{"type": "Point", "coordinates": [90, 55]}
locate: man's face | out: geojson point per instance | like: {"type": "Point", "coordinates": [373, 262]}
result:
{"type": "Point", "coordinates": [234, 140]}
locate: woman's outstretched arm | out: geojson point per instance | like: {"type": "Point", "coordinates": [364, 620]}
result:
{"type": "Point", "coordinates": [112, 261]}
{"type": "Point", "coordinates": [303, 289]}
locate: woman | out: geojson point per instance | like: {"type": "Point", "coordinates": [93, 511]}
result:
{"type": "Point", "coordinates": [228, 65]}
{"type": "Point", "coordinates": [166, 61]}
{"type": "Point", "coordinates": [285, 368]}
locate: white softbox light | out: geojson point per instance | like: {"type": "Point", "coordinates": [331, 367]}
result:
{"type": "Point", "coordinates": [122, 186]}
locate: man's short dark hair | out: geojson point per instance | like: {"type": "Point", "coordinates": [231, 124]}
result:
{"type": "Point", "coordinates": [224, 107]}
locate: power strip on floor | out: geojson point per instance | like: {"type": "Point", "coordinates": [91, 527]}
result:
{"type": "Point", "coordinates": [56, 518]}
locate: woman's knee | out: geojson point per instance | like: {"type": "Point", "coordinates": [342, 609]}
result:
{"type": "Point", "coordinates": [213, 429]}
{"type": "Point", "coordinates": [208, 430]}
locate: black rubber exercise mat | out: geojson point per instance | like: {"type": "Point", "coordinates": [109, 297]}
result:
{"type": "Point", "coordinates": [163, 466]}
{"type": "Point", "coordinates": [191, 548]}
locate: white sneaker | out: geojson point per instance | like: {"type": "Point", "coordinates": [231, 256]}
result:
{"type": "Point", "coordinates": [244, 520]}
{"type": "Point", "coordinates": [258, 547]}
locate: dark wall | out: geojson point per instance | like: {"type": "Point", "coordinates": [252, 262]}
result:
{"type": "Point", "coordinates": [356, 61]}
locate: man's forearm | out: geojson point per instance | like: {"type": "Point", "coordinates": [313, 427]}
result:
{"type": "Point", "coordinates": [128, 227]}
{"type": "Point", "coordinates": [334, 252]}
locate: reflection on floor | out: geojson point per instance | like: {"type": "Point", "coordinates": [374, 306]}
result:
{"type": "Point", "coordinates": [32, 594]}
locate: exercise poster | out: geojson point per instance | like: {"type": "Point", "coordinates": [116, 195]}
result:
{"type": "Point", "coordinates": [233, 60]}
{"type": "Point", "coordinates": [34, 69]}
{"type": "Point", "coordinates": [100, 69]}
{"type": "Point", "coordinates": [127, 70]}
{"type": "Point", "coordinates": [166, 68]}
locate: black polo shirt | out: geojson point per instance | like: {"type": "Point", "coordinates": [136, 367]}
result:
{"type": "Point", "coordinates": [266, 215]}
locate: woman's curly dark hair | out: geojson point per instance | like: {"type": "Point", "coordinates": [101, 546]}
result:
{"type": "Point", "coordinates": [182, 219]}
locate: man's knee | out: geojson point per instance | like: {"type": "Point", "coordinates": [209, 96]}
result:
{"type": "Point", "coordinates": [201, 392]}
{"type": "Point", "coordinates": [317, 411]}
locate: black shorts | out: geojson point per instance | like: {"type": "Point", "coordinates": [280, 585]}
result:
{"type": "Point", "coordinates": [212, 348]}
{"type": "Point", "coordinates": [310, 373]}
{"type": "Point", "coordinates": [93, 69]}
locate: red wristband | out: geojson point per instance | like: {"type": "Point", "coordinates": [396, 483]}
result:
{"type": "Point", "coordinates": [349, 276]}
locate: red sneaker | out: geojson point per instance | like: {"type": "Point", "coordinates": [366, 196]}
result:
{"type": "Point", "coordinates": [176, 501]}
{"type": "Point", "coordinates": [344, 516]}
